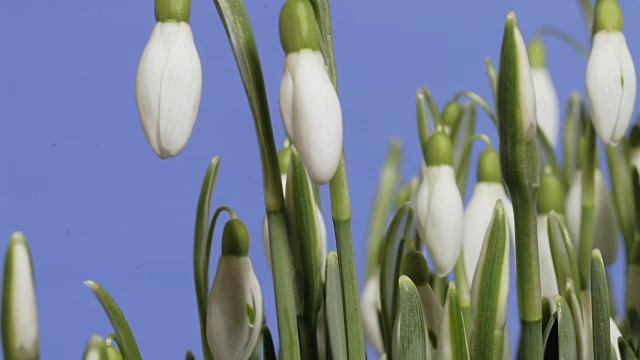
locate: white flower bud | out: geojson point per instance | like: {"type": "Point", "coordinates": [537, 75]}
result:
{"type": "Point", "coordinates": [235, 310]}
{"type": "Point", "coordinates": [168, 87]}
{"type": "Point", "coordinates": [615, 333]}
{"type": "Point", "coordinates": [547, 108]}
{"type": "Point", "coordinates": [605, 230]}
{"type": "Point", "coordinates": [477, 218]}
{"type": "Point", "coordinates": [370, 308]}
{"type": "Point", "coordinates": [311, 113]}
{"type": "Point", "coordinates": [548, 281]}
{"type": "Point", "coordinates": [19, 313]}
{"type": "Point", "coordinates": [611, 85]}
{"type": "Point", "coordinates": [439, 217]}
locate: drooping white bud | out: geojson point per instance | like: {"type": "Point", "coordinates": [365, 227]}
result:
{"type": "Point", "coordinates": [311, 113]}
{"type": "Point", "coordinates": [168, 87]}
{"type": "Point", "coordinates": [370, 308]}
{"type": "Point", "coordinates": [611, 85]}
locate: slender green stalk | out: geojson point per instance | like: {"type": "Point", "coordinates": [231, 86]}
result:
{"type": "Point", "coordinates": [588, 205]}
{"type": "Point", "coordinates": [240, 33]}
{"type": "Point", "coordinates": [565, 38]}
{"type": "Point", "coordinates": [341, 209]}
{"type": "Point", "coordinates": [621, 183]}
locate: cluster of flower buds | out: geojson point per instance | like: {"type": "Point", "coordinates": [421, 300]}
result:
{"type": "Point", "coordinates": [169, 80]}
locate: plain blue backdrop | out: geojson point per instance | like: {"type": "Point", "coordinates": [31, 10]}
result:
{"type": "Point", "coordinates": [78, 177]}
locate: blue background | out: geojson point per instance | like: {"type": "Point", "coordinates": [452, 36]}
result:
{"type": "Point", "coordinates": [80, 180]}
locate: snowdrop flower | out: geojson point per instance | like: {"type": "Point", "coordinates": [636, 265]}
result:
{"type": "Point", "coordinates": [477, 216]}
{"type": "Point", "coordinates": [547, 107]}
{"type": "Point", "coordinates": [235, 309]}
{"type": "Point", "coordinates": [439, 210]}
{"type": "Point", "coordinates": [309, 104]}
{"type": "Point", "coordinates": [169, 80]}
{"type": "Point", "coordinates": [20, 338]}
{"type": "Point", "coordinates": [550, 198]}
{"type": "Point", "coordinates": [370, 309]}
{"type": "Point", "coordinates": [605, 228]}
{"type": "Point", "coordinates": [611, 76]}
{"type": "Point", "coordinates": [96, 349]}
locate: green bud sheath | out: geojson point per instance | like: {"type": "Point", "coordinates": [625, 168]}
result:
{"type": "Point", "coordinates": [537, 53]}
{"type": "Point", "coordinates": [235, 239]}
{"type": "Point", "coordinates": [439, 150]}
{"type": "Point", "coordinates": [284, 158]}
{"type": "Point", "coordinates": [173, 10]}
{"type": "Point", "coordinates": [451, 113]}
{"type": "Point", "coordinates": [415, 267]}
{"type": "Point", "coordinates": [298, 28]}
{"type": "Point", "coordinates": [608, 16]}
{"type": "Point", "coordinates": [551, 194]}
{"type": "Point", "coordinates": [489, 167]}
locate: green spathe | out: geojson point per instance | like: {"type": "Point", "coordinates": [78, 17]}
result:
{"type": "Point", "coordinates": [298, 28]}
{"type": "Point", "coordinates": [608, 16]}
{"type": "Point", "coordinates": [235, 239]}
{"type": "Point", "coordinates": [551, 194]}
{"type": "Point", "coordinates": [173, 10]}
{"type": "Point", "coordinates": [537, 53]}
{"type": "Point", "coordinates": [489, 167]}
{"type": "Point", "coordinates": [451, 113]}
{"type": "Point", "coordinates": [439, 150]}
{"type": "Point", "coordinates": [415, 267]}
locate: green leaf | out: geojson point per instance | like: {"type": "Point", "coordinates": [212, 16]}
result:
{"type": "Point", "coordinates": [622, 186]}
{"type": "Point", "coordinates": [96, 349]}
{"type": "Point", "coordinates": [490, 290]}
{"type": "Point", "coordinates": [583, 343]}
{"type": "Point", "coordinates": [493, 79]}
{"type": "Point", "coordinates": [409, 339]}
{"type": "Point", "coordinates": [572, 130]}
{"type": "Point", "coordinates": [549, 155]}
{"type": "Point", "coordinates": [389, 179]}
{"type": "Point", "coordinates": [453, 340]}
{"type": "Point", "coordinates": [124, 336]}
{"type": "Point", "coordinates": [190, 356]}
{"type": "Point", "coordinates": [626, 352]}
{"type": "Point", "coordinates": [600, 312]}
{"type": "Point", "coordinates": [303, 217]}
{"type": "Point", "coordinates": [565, 261]}
{"type": "Point", "coordinates": [566, 330]}
{"type": "Point", "coordinates": [202, 249]}
{"type": "Point", "coordinates": [335, 310]}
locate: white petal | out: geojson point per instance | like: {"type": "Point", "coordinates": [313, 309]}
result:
{"type": "Point", "coordinates": [322, 240]}
{"type": "Point", "coordinates": [286, 93]}
{"type": "Point", "coordinates": [370, 308]}
{"type": "Point", "coordinates": [547, 108]}
{"type": "Point", "coordinates": [604, 86]}
{"type": "Point", "coordinates": [21, 303]}
{"type": "Point", "coordinates": [527, 94]}
{"type": "Point", "coordinates": [548, 280]}
{"type": "Point", "coordinates": [444, 219]}
{"type": "Point", "coordinates": [230, 334]}
{"type": "Point", "coordinates": [573, 209]}
{"type": "Point", "coordinates": [317, 117]}
{"type": "Point", "coordinates": [629, 84]}
{"type": "Point", "coordinates": [614, 334]}
{"type": "Point", "coordinates": [168, 88]}
{"type": "Point", "coordinates": [421, 207]}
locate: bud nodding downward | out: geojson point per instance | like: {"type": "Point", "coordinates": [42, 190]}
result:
{"type": "Point", "coordinates": [173, 10]}
{"type": "Point", "coordinates": [235, 239]}
{"type": "Point", "coordinates": [298, 28]}
{"type": "Point", "coordinates": [439, 150]}
{"type": "Point", "coordinates": [489, 167]}
{"type": "Point", "coordinates": [607, 16]}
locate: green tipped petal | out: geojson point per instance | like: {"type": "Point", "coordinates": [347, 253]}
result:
{"type": "Point", "coordinates": [173, 10]}
{"type": "Point", "coordinates": [439, 150]}
{"type": "Point", "coordinates": [298, 28]}
{"type": "Point", "coordinates": [608, 16]}
{"type": "Point", "coordinates": [489, 167]}
{"type": "Point", "coordinates": [235, 239]}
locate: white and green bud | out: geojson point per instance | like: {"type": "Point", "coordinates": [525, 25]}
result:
{"type": "Point", "coordinates": [96, 349]}
{"type": "Point", "coordinates": [516, 104]}
{"type": "Point", "coordinates": [547, 106]}
{"type": "Point", "coordinates": [438, 206]}
{"type": "Point", "coordinates": [550, 198]}
{"type": "Point", "coordinates": [20, 337]}
{"type": "Point", "coordinates": [605, 230]}
{"type": "Point", "coordinates": [309, 104]}
{"type": "Point", "coordinates": [169, 80]}
{"type": "Point", "coordinates": [235, 313]}
{"type": "Point", "coordinates": [371, 308]}
{"type": "Point", "coordinates": [477, 215]}
{"type": "Point", "coordinates": [611, 76]}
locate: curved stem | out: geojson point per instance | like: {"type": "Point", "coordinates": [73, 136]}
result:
{"type": "Point", "coordinates": [565, 38]}
{"type": "Point", "coordinates": [588, 205]}
{"type": "Point", "coordinates": [493, 79]}
{"type": "Point", "coordinates": [480, 101]}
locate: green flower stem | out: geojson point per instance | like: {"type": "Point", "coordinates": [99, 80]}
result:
{"type": "Point", "coordinates": [493, 79]}
{"type": "Point", "coordinates": [384, 201]}
{"type": "Point", "coordinates": [621, 183]}
{"type": "Point", "coordinates": [480, 101]}
{"type": "Point", "coordinates": [588, 204]}
{"type": "Point", "coordinates": [587, 13]}
{"type": "Point", "coordinates": [240, 33]}
{"type": "Point", "coordinates": [341, 209]}
{"type": "Point", "coordinates": [528, 274]}
{"type": "Point", "coordinates": [565, 38]}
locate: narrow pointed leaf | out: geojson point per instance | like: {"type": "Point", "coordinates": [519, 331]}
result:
{"type": "Point", "coordinates": [626, 352]}
{"type": "Point", "coordinates": [202, 249]}
{"type": "Point", "coordinates": [410, 341]}
{"type": "Point", "coordinates": [600, 308]}
{"type": "Point", "coordinates": [453, 340]}
{"type": "Point", "coordinates": [460, 135]}
{"type": "Point", "coordinates": [490, 290]}
{"type": "Point", "coordinates": [583, 342]}
{"type": "Point", "coordinates": [564, 257]}
{"type": "Point", "coordinates": [389, 178]}
{"type": "Point", "coordinates": [566, 330]}
{"type": "Point", "coordinates": [335, 309]}
{"type": "Point", "coordinates": [621, 184]}
{"type": "Point", "coordinates": [572, 131]}
{"type": "Point", "coordinates": [124, 336]}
